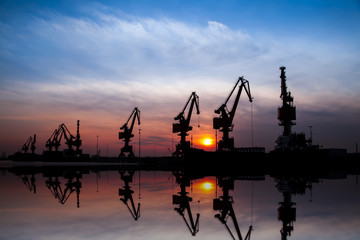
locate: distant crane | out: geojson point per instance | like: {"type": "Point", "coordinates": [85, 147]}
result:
{"type": "Point", "coordinates": [127, 134]}
{"type": "Point", "coordinates": [183, 126]}
{"type": "Point", "coordinates": [30, 143]}
{"type": "Point", "coordinates": [225, 121]}
{"type": "Point", "coordinates": [55, 140]}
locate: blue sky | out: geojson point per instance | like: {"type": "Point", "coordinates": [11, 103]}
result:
{"type": "Point", "coordinates": [95, 61]}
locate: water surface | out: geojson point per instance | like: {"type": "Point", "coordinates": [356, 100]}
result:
{"type": "Point", "coordinates": [126, 203]}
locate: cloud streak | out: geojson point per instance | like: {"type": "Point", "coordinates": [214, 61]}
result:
{"type": "Point", "coordinates": [104, 63]}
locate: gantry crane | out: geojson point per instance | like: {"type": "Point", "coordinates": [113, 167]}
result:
{"type": "Point", "coordinates": [127, 193]}
{"type": "Point", "coordinates": [127, 134]}
{"type": "Point", "coordinates": [55, 140]}
{"type": "Point", "coordinates": [184, 203]}
{"type": "Point", "coordinates": [183, 126]}
{"type": "Point", "coordinates": [30, 143]}
{"type": "Point", "coordinates": [225, 121]}
{"type": "Point", "coordinates": [224, 204]}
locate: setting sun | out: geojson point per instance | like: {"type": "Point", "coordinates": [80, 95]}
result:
{"type": "Point", "coordinates": [207, 141]}
{"type": "Point", "coordinates": [207, 186]}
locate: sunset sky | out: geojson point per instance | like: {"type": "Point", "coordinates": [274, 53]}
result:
{"type": "Point", "coordinates": [62, 61]}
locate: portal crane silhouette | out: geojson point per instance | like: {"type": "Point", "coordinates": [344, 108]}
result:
{"type": "Point", "coordinates": [30, 143]}
{"type": "Point", "coordinates": [62, 131]}
{"type": "Point", "coordinates": [183, 126]}
{"type": "Point", "coordinates": [225, 121]}
{"type": "Point", "coordinates": [126, 134]}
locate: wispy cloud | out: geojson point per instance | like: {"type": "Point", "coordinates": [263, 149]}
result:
{"type": "Point", "coordinates": [104, 63]}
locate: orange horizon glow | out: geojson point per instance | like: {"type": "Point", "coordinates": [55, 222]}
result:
{"type": "Point", "coordinates": [205, 141]}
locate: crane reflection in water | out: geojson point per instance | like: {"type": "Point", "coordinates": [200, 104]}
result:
{"type": "Point", "coordinates": [220, 215]}
{"type": "Point", "coordinates": [126, 193]}
{"type": "Point", "coordinates": [183, 200]}
{"type": "Point", "coordinates": [61, 193]}
{"type": "Point", "coordinates": [224, 204]}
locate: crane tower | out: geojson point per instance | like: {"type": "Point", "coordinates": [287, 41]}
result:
{"type": "Point", "coordinates": [225, 121]}
{"type": "Point", "coordinates": [126, 134]}
{"type": "Point", "coordinates": [183, 126]}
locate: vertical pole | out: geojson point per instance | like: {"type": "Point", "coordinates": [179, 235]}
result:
{"type": "Point", "coordinates": [139, 142]}
{"type": "Point", "coordinates": [97, 146]}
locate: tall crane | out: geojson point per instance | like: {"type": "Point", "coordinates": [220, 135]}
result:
{"type": "Point", "coordinates": [72, 141]}
{"type": "Point", "coordinates": [127, 134]}
{"type": "Point", "coordinates": [183, 126]}
{"type": "Point", "coordinates": [62, 131]}
{"type": "Point", "coordinates": [30, 143]}
{"type": "Point", "coordinates": [225, 121]}
{"type": "Point", "coordinates": [287, 112]}
{"type": "Point", "coordinates": [224, 204]}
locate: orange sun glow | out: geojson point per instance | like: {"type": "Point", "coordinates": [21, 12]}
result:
{"type": "Point", "coordinates": [207, 141]}
{"type": "Point", "coordinates": [207, 186]}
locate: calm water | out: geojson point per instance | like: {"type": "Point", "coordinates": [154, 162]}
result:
{"type": "Point", "coordinates": [99, 203]}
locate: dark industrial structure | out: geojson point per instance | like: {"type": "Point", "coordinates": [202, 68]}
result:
{"type": "Point", "coordinates": [224, 123]}
{"type": "Point", "coordinates": [127, 134]}
{"type": "Point", "coordinates": [183, 126]}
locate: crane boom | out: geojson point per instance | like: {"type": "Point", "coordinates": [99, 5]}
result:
{"type": "Point", "coordinates": [225, 121]}
{"type": "Point", "coordinates": [70, 140]}
{"type": "Point", "coordinates": [183, 126]}
{"type": "Point", "coordinates": [127, 133]}
{"type": "Point", "coordinates": [30, 143]}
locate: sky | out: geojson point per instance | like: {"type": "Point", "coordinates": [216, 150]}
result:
{"type": "Point", "coordinates": [63, 61]}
